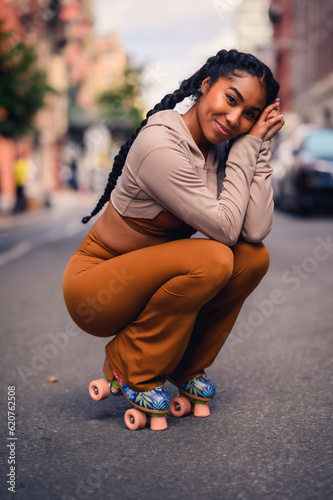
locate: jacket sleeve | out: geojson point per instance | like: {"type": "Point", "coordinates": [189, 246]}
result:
{"type": "Point", "coordinates": [167, 175]}
{"type": "Point", "coordinates": [259, 213]}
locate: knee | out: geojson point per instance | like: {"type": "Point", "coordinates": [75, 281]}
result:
{"type": "Point", "coordinates": [254, 259]}
{"type": "Point", "coordinates": [261, 259]}
{"type": "Point", "coordinates": [219, 263]}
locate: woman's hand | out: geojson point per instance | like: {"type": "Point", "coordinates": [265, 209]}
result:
{"type": "Point", "coordinates": [269, 122]}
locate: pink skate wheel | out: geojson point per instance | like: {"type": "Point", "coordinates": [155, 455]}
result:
{"type": "Point", "coordinates": [99, 389]}
{"type": "Point", "coordinates": [201, 410]}
{"type": "Point", "coordinates": [158, 423]}
{"type": "Point", "coordinates": [180, 406]}
{"type": "Point", "coordinates": [135, 419]}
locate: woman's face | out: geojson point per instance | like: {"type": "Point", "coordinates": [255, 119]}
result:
{"type": "Point", "coordinates": [229, 107]}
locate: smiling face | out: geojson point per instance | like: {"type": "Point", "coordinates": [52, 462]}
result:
{"type": "Point", "coordinates": [226, 109]}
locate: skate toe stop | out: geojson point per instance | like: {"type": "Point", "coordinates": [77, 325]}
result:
{"type": "Point", "coordinates": [201, 410]}
{"type": "Point", "coordinates": [158, 423]}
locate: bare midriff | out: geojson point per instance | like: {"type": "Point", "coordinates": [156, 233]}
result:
{"type": "Point", "coordinates": [119, 235]}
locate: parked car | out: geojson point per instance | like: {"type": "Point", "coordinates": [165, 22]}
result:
{"type": "Point", "coordinates": [303, 170]}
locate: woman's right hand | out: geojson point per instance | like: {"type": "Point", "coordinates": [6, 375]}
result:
{"type": "Point", "coordinates": [269, 123]}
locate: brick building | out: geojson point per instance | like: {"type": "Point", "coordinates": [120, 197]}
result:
{"type": "Point", "coordinates": [303, 44]}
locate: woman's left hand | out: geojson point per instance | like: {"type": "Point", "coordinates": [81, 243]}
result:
{"type": "Point", "coordinates": [269, 123]}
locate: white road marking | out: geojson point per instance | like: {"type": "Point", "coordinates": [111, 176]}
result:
{"type": "Point", "coordinates": [25, 247]}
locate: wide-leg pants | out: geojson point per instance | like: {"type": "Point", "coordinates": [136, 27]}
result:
{"type": "Point", "coordinates": [169, 307]}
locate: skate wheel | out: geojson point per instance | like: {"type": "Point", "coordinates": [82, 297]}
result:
{"type": "Point", "coordinates": [99, 389]}
{"type": "Point", "coordinates": [201, 410]}
{"type": "Point", "coordinates": [158, 423]}
{"type": "Point", "coordinates": [135, 419]}
{"type": "Point", "coordinates": [180, 406]}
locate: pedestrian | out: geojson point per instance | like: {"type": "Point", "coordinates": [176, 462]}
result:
{"type": "Point", "coordinates": [168, 300]}
{"type": "Point", "coordinates": [21, 174]}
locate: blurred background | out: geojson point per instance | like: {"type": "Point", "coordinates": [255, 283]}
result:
{"type": "Point", "coordinates": [77, 76]}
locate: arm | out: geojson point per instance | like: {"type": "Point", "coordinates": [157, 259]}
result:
{"type": "Point", "coordinates": [259, 214]}
{"type": "Point", "coordinates": [167, 175]}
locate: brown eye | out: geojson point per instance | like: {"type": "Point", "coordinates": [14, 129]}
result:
{"type": "Point", "coordinates": [231, 99]}
{"type": "Point", "coordinates": [250, 115]}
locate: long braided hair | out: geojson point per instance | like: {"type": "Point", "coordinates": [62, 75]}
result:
{"type": "Point", "coordinates": [223, 64]}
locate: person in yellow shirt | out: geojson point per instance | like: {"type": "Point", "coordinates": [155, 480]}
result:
{"type": "Point", "coordinates": [21, 167]}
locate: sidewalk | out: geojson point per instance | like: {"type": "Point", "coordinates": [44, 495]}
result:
{"type": "Point", "coordinates": [62, 203]}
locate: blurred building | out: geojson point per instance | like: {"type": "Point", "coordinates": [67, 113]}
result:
{"type": "Point", "coordinates": [109, 64]}
{"type": "Point", "coordinates": [38, 24]}
{"type": "Point", "coordinates": [78, 54]}
{"type": "Point", "coordinates": [11, 22]}
{"type": "Point", "coordinates": [254, 29]}
{"type": "Point", "coordinates": [78, 67]}
{"type": "Point", "coordinates": [89, 144]}
{"type": "Point", "coordinates": [303, 44]}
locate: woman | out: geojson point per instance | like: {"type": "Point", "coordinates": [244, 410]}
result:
{"type": "Point", "coordinates": [169, 300]}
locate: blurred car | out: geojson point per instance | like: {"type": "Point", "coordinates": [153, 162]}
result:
{"type": "Point", "coordinates": [303, 170]}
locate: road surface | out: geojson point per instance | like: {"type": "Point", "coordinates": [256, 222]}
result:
{"type": "Point", "coordinates": [269, 435]}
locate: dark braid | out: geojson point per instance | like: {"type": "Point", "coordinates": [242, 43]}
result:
{"type": "Point", "coordinates": [223, 64]}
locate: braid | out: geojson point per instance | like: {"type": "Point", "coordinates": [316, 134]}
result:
{"type": "Point", "coordinates": [222, 64]}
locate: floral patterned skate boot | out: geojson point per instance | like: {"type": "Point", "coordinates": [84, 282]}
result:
{"type": "Point", "coordinates": [154, 403]}
{"type": "Point", "coordinates": [193, 396]}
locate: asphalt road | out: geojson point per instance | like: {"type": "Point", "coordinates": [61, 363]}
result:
{"type": "Point", "coordinates": [269, 435]}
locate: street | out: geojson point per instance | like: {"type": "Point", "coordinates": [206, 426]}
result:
{"type": "Point", "coordinates": [270, 432]}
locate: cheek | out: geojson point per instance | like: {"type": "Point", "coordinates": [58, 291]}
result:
{"type": "Point", "coordinates": [246, 126]}
{"type": "Point", "coordinates": [203, 113]}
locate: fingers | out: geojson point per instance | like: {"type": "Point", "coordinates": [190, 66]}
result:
{"type": "Point", "coordinates": [273, 114]}
{"type": "Point", "coordinates": [269, 123]}
{"type": "Point", "coordinates": [276, 124]}
{"type": "Point", "coordinates": [274, 119]}
{"type": "Point", "coordinates": [271, 110]}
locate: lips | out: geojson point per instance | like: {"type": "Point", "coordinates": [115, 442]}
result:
{"type": "Point", "coordinates": [223, 130]}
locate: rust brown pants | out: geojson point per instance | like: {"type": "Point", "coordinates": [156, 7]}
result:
{"type": "Point", "coordinates": [170, 307]}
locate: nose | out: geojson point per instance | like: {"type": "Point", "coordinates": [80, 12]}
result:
{"type": "Point", "coordinates": [234, 117]}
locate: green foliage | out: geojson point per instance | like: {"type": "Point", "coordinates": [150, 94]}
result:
{"type": "Point", "coordinates": [22, 87]}
{"type": "Point", "coordinates": [120, 104]}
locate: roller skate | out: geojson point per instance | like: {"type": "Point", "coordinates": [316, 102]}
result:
{"type": "Point", "coordinates": [153, 404]}
{"type": "Point", "coordinates": [193, 397]}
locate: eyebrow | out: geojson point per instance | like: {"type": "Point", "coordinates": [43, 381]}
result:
{"type": "Point", "coordinates": [242, 98]}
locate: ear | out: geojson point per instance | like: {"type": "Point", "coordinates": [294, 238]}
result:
{"type": "Point", "coordinates": [205, 84]}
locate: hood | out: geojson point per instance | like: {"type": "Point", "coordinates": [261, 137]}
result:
{"type": "Point", "coordinates": [177, 130]}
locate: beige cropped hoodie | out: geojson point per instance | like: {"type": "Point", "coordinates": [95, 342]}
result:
{"type": "Point", "coordinates": [226, 197]}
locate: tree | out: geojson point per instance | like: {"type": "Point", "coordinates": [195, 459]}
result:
{"type": "Point", "coordinates": [22, 87]}
{"type": "Point", "coordinates": [121, 103]}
